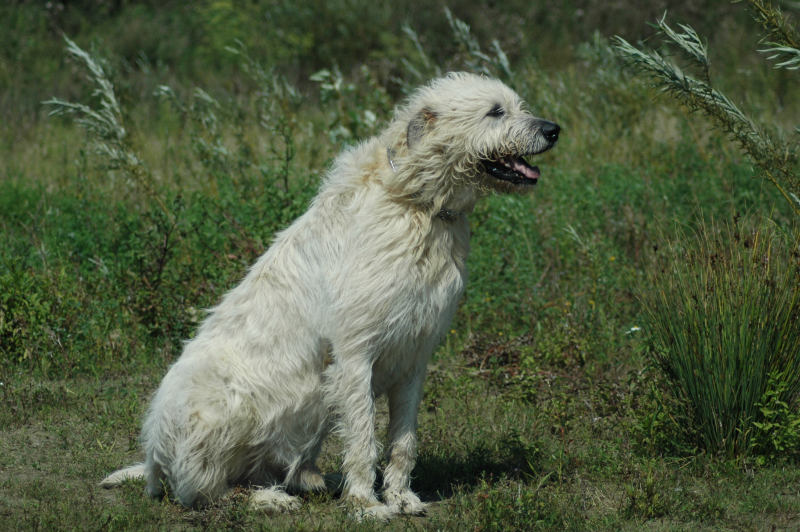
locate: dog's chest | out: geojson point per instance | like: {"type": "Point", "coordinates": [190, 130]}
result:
{"type": "Point", "coordinates": [395, 287]}
{"type": "Point", "coordinates": [422, 294]}
{"type": "Point", "coordinates": [416, 322]}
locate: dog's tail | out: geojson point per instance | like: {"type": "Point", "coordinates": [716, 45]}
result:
{"type": "Point", "coordinates": [136, 471]}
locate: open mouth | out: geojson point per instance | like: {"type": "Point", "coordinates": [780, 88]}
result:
{"type": "Point", "coordinates": [513, 169]}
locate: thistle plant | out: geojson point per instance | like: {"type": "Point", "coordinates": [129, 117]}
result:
{"type": "Point", "coordinates": [776, 159]}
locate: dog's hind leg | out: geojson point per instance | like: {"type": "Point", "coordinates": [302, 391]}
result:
{"type": "Point", "coordinates": [155, 479]}
{"type": "Point", "coordinates": [198, 475]}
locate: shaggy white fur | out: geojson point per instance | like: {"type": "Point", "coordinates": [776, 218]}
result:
{"type": "Point", "coordinates": [347, 304]}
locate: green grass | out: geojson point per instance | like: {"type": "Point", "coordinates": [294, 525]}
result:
{"type": "Point", "coordinates": [542, 409]}
{"type": "Point", "coordinates": [486, 461]}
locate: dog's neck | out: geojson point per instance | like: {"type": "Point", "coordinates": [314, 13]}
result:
{"type": "Point", "coordinates": [445, 214]}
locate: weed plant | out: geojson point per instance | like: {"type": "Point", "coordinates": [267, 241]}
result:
{"type": "Point", "coordinates": [725, 318]}
{"type": "Point", "coordinates": [105, 125]}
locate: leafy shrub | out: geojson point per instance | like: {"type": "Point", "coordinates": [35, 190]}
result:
{"type": "Point", "coordinates": [723, 309]}
{"type": "Point", "coordinates": [778, 431]}
{"type": "Point", "coordinates": [25, 309]}
{"type": "Point", "coordinates": [663, 422]}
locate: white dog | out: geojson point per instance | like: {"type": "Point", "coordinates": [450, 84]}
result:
{"type": "Point", "coordinates": [347, 304]}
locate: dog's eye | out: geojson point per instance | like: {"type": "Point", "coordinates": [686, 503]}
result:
{"type": "Point", "coordinates": [497, 111]}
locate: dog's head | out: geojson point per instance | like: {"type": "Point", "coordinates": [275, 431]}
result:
{"type": "Point", "coordinates": [476, 131]}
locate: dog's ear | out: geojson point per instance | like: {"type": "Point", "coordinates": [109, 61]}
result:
{"type": "Point", "coordinates": [421, 122]}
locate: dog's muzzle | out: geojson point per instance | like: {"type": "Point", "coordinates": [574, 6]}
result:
{"type": "Point", "coordinates": [514, 168]}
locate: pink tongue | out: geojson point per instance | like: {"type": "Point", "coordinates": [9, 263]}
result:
{"type": "Point", "coordinates": [518, 165]}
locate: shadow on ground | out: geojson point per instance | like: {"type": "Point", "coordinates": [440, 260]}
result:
{"type": "Point", "coordinates": [437, 476]}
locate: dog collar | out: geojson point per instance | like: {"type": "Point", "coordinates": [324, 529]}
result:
{"type": "Point", "coordinates": [389, 153]}
{"type": "Point", "coordinates": [446, 215]}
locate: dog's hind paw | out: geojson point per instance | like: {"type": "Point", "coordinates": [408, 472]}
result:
{"type": "Point", "coordinates": [310, 480]}
{"type": "Point", "coordinates": [273, 500]}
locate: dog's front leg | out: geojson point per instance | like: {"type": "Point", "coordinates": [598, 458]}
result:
{"type": "Point", "coordinates": [354, 403]}
{"type": "Point", "coordinates": [404, 399]}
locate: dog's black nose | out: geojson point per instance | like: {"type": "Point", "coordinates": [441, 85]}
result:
{"type": "Point", "coordinates": [550, 130]}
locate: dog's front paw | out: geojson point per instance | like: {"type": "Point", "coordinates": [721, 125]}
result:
{"type": "Point", "coordinates": [405, 501]}
{"type": "Point", "coordinates": [370, 509]}
{"type": "Point", "coordinates": [379, 512]}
